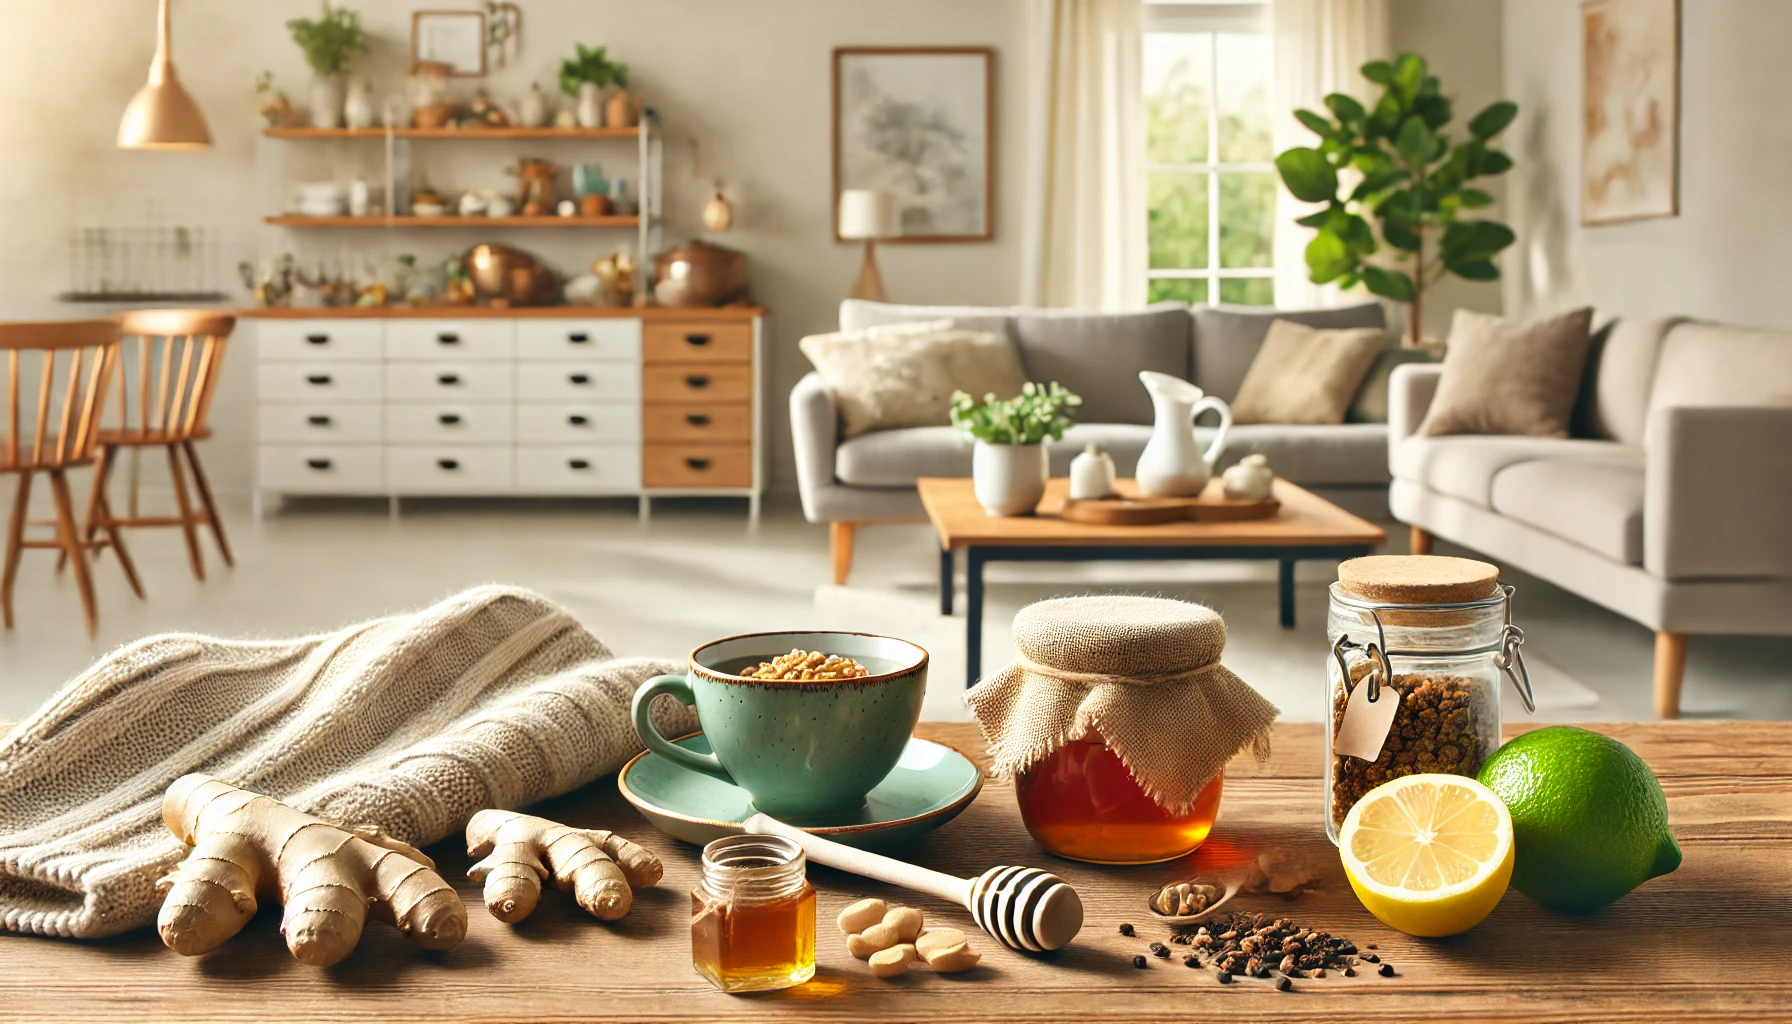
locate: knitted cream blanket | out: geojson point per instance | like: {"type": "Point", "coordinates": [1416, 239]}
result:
{"type": "Point", "coordinates": [493, 698]}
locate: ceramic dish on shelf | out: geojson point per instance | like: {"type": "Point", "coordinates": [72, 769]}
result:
{"type": "Point", "coordinates": [428, 209]}
{"type": "Point", "coordinates": [929, 786]}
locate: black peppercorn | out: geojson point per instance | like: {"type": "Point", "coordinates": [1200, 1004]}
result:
{"type": "Point", "coordinates": [1126, 929]}
{"type": "Point", "coordinates": [1350, 972]}
{"type": "Point", "coordinates": [1283, 984]}
{"type": "Point", "coordinates": [1387, 970]}
{"type": "Point", "coordinates": [1160, 950]}
{"type": "Point", "coordinates": [1138, 961]}
{"type": "Point", "coordinates": [1224, 977]}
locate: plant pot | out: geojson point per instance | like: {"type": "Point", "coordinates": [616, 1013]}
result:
{"type": "Point", "coordinates": [532, 112]}
{"type": "Point", "coordinates": [327, 99]}
{"type": "Point", "coordinates": [591, 105]}
{"type": "Point", "coordinates": [1009, 479]}
{"type": "Point", "coordinates": [621, 111]}
{"type": "Point", "coordinates": [358, 108]}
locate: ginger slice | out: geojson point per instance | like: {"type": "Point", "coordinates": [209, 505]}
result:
{"type": "Point", "coordinates": [327, 876]}
{"type": "Point", "coordinates": [599, 867]}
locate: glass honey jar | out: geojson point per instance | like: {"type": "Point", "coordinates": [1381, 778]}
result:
{"type": "Point", "coordinates": [1081, 802]}
{"type": "Point", "coordinates": [753, 915]}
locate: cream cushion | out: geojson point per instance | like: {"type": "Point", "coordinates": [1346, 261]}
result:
{"type": "Point", "coordinates": [1305, 375]}
{"type": "Point", "coordinates": [903, 375]}
{"type": "Point", "coordinates": [1505, 377]}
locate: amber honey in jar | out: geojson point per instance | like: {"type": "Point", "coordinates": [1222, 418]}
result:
{"type": "Point", "coordinates": [1081, 802]}
{"type": "Point", "coordinates": [753, 915]}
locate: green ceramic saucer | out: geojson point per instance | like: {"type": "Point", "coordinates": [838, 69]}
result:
{"type": "Point", "coordinates": [927, 788]}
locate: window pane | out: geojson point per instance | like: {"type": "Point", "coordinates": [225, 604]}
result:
{"type": "Point", "coordinates": [1178, 68]}
{"type": "Point", "coordinates": [1244, 68]}
{"type": "Point", "coordinates": [1178, 289]}
{"type": "Point", "coordinates": [1248, 291]}
{"type": "Point", "coordinates": [1247, 219]}
{"type": "Point", "coordinates": [1178, 226]}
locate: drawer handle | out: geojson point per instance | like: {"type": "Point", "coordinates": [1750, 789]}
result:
{"type": "Point", "coordinates": [448, 379]}
{"type": "Point", "coordinates": [448, 338]}
{"type": "Point", "coordinates": [578, 421]}
{"type": "Point", "coordinates": [319, 463]}
{"type": "Point", "coordinates": [449, 419]}
{"type": "Point", "coordinates": [318, 421]}
{"type": "Point", "coordinates": [448, 463]}
{"type": "Point", "coordinates": [699, 340]}
{"type": "Point", "coordinates": [318, 339]}
{"type": "Point", "coordinates": [317, 378]}
{"type": "Point", "coordinates": [579, 378]}
{"type": "Point", "coordinates": [696, 419]}
{"type": "Point", "coordinates": [579, 338]}
{"type": "Point", "coordinates": [578, 464]}
{"type": "Point", "coordinates": [697, 464]}
{"type": "Point", "coordinates": [697, 380]}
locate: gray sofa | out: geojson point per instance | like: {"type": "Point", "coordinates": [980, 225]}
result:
{"type": "Point", "coordinates": [871, 478]}
{"type": "Point", "coordinates": [1671, 505]}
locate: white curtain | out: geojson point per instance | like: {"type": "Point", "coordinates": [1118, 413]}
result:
{"type": "Point", "coordinates": [1083, 236]}
{"type": "Point", "coordinates": [1319, 47]}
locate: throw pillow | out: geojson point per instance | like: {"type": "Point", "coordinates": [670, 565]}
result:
{"type": "Point", "coordinates": [1305, 375]}
{"type": "Point", "coordinates": [1505, 377]}
{"type": "Point", "coordinates": [1371, 402]}
{"type": "Point", "coordinates": [903, 375]}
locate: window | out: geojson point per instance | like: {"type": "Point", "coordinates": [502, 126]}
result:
{"type": "Point", "coordinates": [1211, 180]}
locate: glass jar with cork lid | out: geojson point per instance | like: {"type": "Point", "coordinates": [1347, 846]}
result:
{"type": "Point", "coordinates": [1419, 647]}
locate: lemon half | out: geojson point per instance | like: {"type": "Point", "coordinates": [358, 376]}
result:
{"type": "Point", "coordinates": [1428, 854]}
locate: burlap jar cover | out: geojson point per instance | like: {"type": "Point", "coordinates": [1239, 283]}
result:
{"type": "Point", "coordinates": [1142, 674]}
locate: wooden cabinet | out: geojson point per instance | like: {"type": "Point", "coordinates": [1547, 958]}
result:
{"type": "Point", "coordinates": [402, 405]}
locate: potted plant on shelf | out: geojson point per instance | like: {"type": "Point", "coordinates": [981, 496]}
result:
{"type": "Point", "coordinates": [1009, 464]}
{"type": "Point", "coordinates": [329, 44]}
{"type": "Point", "coordinates": [586, 76]}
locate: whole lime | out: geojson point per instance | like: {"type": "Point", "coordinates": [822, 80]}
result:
{"type": "Point", "coordinates": [1589, 821]}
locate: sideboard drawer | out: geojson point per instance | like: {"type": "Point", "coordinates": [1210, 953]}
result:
{"type": "Point", "coordinates": [606, 338]}
{"type": "Point", "coordinates": [321, 469]}
{"type": "Point", "coordinates": [697, 465]}
{"type": "Point", "coordinates": [312, 381]}
{"type": "Point", "coordinates": [319, 423]}
{"type": "Point", "coordinates": [578, 469]}
{"type": "Point", "coordinates": [699, 383]}
{"type": "Point", "coordinates": [450, 382]}
{"type": "Point", "coordinates": [451, 469]}
{"type": "Point", "coordinates": [319, 339]}
{"type": "Point", "coordinates": [698, 424]}
{"type": "Point", "coordinates": [578, 382]}
{"type": "Point", "coordinates": [569, 423]}
{"type": "Point", "coordinates": [451, 423]}
{"type": "Point", "coordinates": [481, 340]}
{"type": "Point", "coordinates": [698, 341]}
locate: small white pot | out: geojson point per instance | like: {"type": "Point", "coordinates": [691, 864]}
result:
{"type": "Point", "coordinates": [328, 94]}
{"type": "Point", "coordinates": [591, 105]}
{"type": "Point", "coordinates": [357, 108]}
{"type": "Point", "coordinates": [1009, 479]}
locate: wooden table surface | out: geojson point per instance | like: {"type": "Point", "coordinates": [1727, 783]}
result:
{"type": "Point", "coordinates": [1706, 943]}
{"type": "Point", "coordinates": [1304, 519]}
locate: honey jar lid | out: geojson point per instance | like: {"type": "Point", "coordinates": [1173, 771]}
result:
{"type": "Point", "coordinates": [1418, 579]}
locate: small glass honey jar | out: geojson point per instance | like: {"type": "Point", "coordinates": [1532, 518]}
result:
{"type": "Point", "coordinates": [753, 915]}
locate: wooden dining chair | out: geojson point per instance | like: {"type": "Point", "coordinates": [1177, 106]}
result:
{"type": "Point", "coordinates": [178, 353]}
{"type": "Point", "coordinates": [72, 364]}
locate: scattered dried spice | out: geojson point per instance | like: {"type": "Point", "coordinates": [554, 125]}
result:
{"type": "Point", "coordinates": [1139, 962]}
{"type": "Point", "coordinates": [1433, 731]}
{"type": "Point", "coordinates": [1127, 929]}
{"type": "Point", "coordinates": [1254, 944]}
{"type": "Point", "coordinates": [1387, 970]}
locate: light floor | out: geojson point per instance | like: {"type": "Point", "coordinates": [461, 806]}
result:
{"type": "Point", "coordinates": [697, 572]}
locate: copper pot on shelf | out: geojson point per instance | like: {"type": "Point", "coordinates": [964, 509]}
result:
{"type": "Point", "coordinates": [699, 274]}
{"type": "Point", "coordinates": [494, 271]}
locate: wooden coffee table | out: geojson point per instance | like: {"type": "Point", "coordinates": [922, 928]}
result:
{"type": "Point", "coordinates": [1307, 526]}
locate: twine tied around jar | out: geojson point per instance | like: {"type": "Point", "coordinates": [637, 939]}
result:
{"type": "Point", "coordinates": [1141, 674]}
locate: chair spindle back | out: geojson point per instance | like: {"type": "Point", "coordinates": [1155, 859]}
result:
{"type": "Point", "coordinates": [65, 425]}
{"type": "Point", "coordinates": [178, 355]}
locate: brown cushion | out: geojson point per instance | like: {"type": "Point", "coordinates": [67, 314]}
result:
{"type": "Point", "coordinates": [1305, 375]}
{"type": "Point", "coordinates": [904, 375]}
{"type": "Point", "coordinates": [1505, 377]}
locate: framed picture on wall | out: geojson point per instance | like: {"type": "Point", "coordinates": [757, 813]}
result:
{"type": "Point", "coordinates": [919, 122]}
{"type": "Point", "coordinates": [452, 38]}
{"type": "Point", "coordinates": [1630, 152]}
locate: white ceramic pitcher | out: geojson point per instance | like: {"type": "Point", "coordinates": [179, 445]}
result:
{"type": "Point", "coordinates": [1173, 464]}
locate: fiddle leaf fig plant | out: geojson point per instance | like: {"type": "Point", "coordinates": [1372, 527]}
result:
{"type": "Point", "coordinates": [1038, 412]}
{"type": "Point", "coordinates": [1397, 186]}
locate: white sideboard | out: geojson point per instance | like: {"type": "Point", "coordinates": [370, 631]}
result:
{"type": "Point", "coordinates": [397, 404]}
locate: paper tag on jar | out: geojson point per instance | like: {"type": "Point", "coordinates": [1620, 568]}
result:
{"type": "Point", "coordinates": [1364, 727]}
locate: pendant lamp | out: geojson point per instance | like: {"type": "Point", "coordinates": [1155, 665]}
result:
{"type": "Point", "coordinates": [163, 115]}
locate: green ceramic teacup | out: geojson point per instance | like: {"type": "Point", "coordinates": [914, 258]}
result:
{"type": "Point", "coordinates": [800, 749]}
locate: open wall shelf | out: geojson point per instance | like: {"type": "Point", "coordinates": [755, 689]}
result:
{"type": "Point", "coordinates": [461, 134]}
{"type": "Point", "coordinates": [480, 223]}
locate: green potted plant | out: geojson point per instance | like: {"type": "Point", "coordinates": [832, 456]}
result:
{"type": "Point", "coordinates": [586, 76]}
{"type": "Point", "coordinates": [329, 44]}
{"type": "Point", "coordinates": [1395, 165]}
{"type": "Point", "coordinates": [1009, 463]}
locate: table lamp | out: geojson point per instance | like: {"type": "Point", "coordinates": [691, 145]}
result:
{"type": "Point", "coordinates": [869, 214]}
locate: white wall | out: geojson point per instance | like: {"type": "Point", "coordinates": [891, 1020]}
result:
{"type": "Point", "coordinates": [1726, 255]}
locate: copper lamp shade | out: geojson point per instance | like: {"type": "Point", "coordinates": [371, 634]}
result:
{"type": "Point", "coordinates": [163, 115]}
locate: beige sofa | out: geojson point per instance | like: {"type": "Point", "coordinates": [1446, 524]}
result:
{"type": "Point", "coordinates": [1671, 505]}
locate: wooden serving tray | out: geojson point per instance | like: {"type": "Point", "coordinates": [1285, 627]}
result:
{"type": "Point", "coordinates": [1139, 510]}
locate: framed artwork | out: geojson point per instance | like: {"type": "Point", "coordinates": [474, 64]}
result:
{"type": "Point", "coordinates": [919, 122]}
{"type": "Point", "coordinates": [1630, 151]}
{"type": "Point", "coordinates": [452, 38]}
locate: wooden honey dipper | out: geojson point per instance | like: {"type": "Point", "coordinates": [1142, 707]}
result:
{"type": "Point", "coordinates": [1024, 908]}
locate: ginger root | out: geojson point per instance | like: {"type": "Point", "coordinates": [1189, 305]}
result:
{"type": "Point", "coordinates": [599, 867]}
{"type": "Point", "coordinates": [248, 847]}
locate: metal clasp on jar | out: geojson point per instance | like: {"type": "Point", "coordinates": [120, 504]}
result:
{"type": "Point", "coordinates": [1507, 655]}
